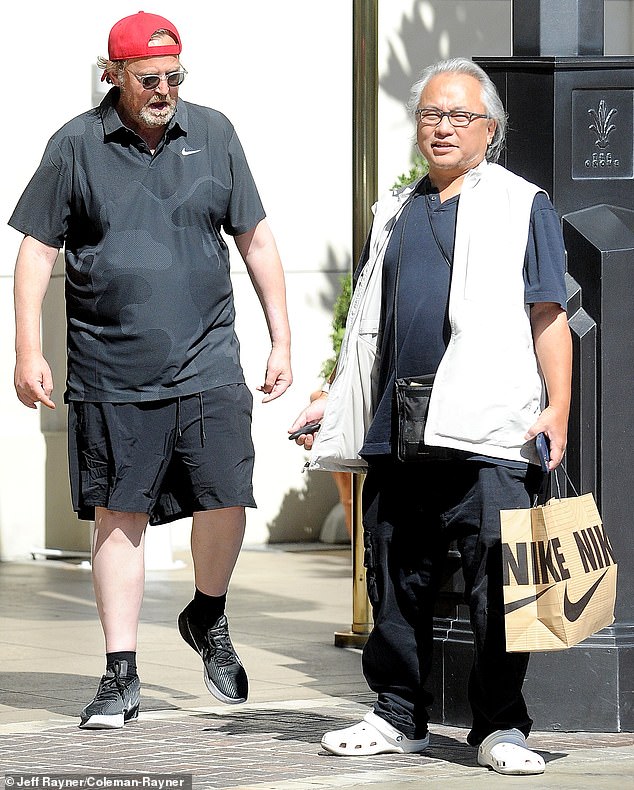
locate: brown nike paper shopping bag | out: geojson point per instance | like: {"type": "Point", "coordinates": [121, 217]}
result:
{"type": "Point", "coordinates": [559, 574]}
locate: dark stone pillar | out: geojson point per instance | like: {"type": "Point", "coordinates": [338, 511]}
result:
{"type": "Point", "coordinates": [600, 245]}
{"type": "Point", "coordinates": [558, 27]}
{"type": "Point", "coordinates": [571, 126]}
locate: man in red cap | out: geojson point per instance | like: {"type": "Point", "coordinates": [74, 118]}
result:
{"type": "Point", "coordinates": [138, 191]}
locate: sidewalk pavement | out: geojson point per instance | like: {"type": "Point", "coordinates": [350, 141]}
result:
{"type": "Point", "coordinates": [285, 604]}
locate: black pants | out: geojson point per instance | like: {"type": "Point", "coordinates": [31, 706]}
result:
{"type": "Point", "coordinates": [411, 513]}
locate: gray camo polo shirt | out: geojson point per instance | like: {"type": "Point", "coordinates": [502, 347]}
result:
{"type": "Point", "coordinates": [148, 293]}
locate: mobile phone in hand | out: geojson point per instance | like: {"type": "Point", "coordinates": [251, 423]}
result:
{"type": "Point", "coordinates": [543, 450]}
{"type": "Point", "coordinates": [311, 427]}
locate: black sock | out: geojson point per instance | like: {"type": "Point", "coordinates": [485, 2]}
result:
{"type": "Point", "coordinates": [206, 609]}
{"type": "Point", "coordinates": [129, 656]}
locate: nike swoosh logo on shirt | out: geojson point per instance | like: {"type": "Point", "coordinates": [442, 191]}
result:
{"type": "Point", "coordinates": [574, 609]}
{"type": "Point", "coordinates": [189, 151]}
{"type": "Point", "coordinates": [514, 605]}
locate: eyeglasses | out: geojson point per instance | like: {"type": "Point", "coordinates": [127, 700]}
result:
{"type": "Point", "coordinates": [151, 82]}
{"type": "Point", "coordinates": [457, 118]}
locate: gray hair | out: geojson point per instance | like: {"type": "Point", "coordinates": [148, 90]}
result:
{"type": "Point", "coordinates": [490, 97]}
{"type": "Point", "coordinates": [111, 68]}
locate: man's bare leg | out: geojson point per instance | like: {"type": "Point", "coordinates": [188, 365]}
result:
{"type": "Point", "coordinates": [118, 571]}
{"type": "Point", "coordinates": [216, 541]}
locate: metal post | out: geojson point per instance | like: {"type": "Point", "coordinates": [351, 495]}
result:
{"type": "Point", "coordinates": [364, 120]}
{"type": "Point", "coordinates": [364, 193]}
{"type": "Point", "coordinates": [361, 610]}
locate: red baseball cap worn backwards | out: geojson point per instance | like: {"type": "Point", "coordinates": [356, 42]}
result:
{"type": "Point", "coordinates": [130, 37]}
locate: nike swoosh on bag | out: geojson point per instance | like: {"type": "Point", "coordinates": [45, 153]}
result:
{"type": "Point", "coordinates": [514, 605]}
{"type": "Point", "coordinates": [574, 609]}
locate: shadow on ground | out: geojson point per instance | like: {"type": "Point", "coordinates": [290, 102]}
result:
{"type": "Point", "coordinates": [62, 694]}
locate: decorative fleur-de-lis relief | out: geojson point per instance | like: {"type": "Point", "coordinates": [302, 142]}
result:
{"type": "Point", "coordinates": [601, 124]}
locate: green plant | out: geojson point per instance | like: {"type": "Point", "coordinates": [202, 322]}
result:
{"type": "Point", "coordinates": [418, 169]}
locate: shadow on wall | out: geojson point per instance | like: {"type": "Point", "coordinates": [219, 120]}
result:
{"type": "Point", "coordinates": [304, 510]}
{"type": "Point", "coordinates": [438, 29]}
{"type": "Point", "coordinates": [334, 269]}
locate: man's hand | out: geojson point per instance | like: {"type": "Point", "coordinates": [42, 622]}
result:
{"type": "Point", "coordinates": [278, 376]}
{"type": "Point", "coordinates": [33, 380]}
{"type": "Point", "coordinates": [312, 413]}
{"type": "Point", "coordinates": [554, 425]}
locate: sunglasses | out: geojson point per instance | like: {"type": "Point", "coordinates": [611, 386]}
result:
{"type": "Point", "coordinates": [150, 82]}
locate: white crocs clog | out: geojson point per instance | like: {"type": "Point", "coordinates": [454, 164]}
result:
{"type": "Point", "coordinates": [373, 735]}
{"type": "Point", "coordinates": [505, 752]}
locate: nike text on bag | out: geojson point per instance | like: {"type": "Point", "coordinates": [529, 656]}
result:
{"type": "Point", "coordinates": [559, 574]}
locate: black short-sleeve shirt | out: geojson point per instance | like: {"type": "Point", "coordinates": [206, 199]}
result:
{"type": "Point", "coordinates": [148, 291]}
{"type": "Point", "coordinates": [423, 293]}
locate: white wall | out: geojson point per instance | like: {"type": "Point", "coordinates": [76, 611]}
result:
{"type": "Point", "coordinates": [281, 70]}
{"type": "Point", "coordinates": [413, 34]}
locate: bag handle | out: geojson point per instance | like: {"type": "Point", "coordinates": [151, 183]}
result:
{"type": "Point", "coordinates": [547, 478]}
{"type": "Point", "coordinates": [570, 483]}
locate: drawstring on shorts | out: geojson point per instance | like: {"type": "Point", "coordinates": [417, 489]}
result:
{"type": "Point", "coordinates": [202, 419]}
{"type": "Point", "coordinates": [203, 435]}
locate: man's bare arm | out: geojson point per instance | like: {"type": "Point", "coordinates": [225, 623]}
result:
{"type": "Point", "coordinates": [33, 379]}
{"type": "Point", "coordinates": [553, 347]}
{"type": "Point", "coordinates": [259, 252]}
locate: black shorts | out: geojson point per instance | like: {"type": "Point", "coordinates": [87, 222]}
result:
{"type": "Point", "coordinates": [167, 458]}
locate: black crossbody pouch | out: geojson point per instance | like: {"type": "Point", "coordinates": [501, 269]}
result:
{"type": "Point", "coordinates": [412, 403]}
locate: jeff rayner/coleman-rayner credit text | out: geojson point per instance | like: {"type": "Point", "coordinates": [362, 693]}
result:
{"type": "Point", "coordinates": [77, 782]}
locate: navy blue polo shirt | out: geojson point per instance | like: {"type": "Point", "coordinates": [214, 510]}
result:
{"type": "Point", "coordinates": [148, 291]}
{"type": "Point", "coordinates": [423, 294]}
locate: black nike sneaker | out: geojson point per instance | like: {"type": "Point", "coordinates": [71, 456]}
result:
{"type": "Point", "coordinates": [116, 701]}
{"type": "Point", "coordinates": [223, 671]}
